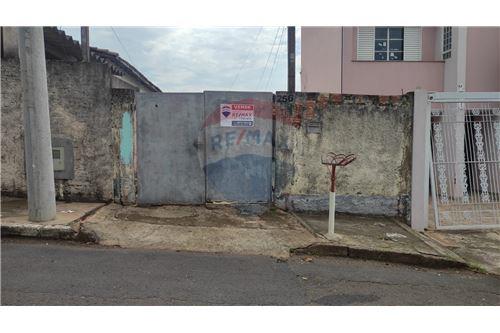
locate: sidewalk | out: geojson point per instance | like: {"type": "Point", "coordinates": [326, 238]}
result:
{"type": "Point", "coordinates": [66, 225]}
{"type": "Point", "coordinates": [224, 229]}
{"type": "Point", "coordinates": [376, 238]}
{"type": "Point", "coordinates": [480, 248]}
{"type": "Point", "coordinates": [213, 228]}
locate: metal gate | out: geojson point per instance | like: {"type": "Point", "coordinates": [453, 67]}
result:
{"type": "Point", "coordinates": [198, 147]}
{"type": "Point", "coordinates": [238, 153]}
{"type": "Point", "coordinates": [169, 153]}
{"type": "Point", "coordinates": [465, 162]}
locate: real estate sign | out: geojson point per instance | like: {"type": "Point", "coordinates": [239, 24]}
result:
{"type": "Point", "coordinates": [237, 115]}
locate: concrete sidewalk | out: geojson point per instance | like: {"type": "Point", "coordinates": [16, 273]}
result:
{"type": "Point", "coordinates": [213, 228]}
{"type": "Point", "coordinates": [480, 248]}
{"type": "Point", "coordinates": [66, 225]}
{"type": "Point", "coordinates": [225, 229]}
{"type": "Point", "coordinates": [376, 238]}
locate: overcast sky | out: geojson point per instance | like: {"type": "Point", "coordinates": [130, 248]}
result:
{"type": "Point", "coordinates": [197, 59]}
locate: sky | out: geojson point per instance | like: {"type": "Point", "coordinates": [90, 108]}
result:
{"type": "Point", "coordinates": [198, 59]}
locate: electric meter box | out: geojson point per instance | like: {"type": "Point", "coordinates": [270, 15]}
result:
{"type": "Point", "coordinates": [62, 156]}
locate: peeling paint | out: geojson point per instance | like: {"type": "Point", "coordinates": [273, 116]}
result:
{"type": "Point", "coordinates": [122, 108]}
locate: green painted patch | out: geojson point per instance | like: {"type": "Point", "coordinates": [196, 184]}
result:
{"type": "Point", "coordinates": [126, 142]}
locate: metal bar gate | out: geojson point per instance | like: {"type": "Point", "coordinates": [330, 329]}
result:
{"type": "Point", "coordinates": [465, 159]}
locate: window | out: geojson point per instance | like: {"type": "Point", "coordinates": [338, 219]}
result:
{"type": "Point", "coordinates": [389, 44]}
{"type": "Point", "coordinates": [446, 43]}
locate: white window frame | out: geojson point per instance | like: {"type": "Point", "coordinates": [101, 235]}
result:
{"type": "Point", "coordinates": [388, 40]}
{"type": "Point", "coordinates": [412, 44]}
{"type": "Point", "coordinates": [446, 42]}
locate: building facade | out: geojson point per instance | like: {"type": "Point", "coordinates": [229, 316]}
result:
{"type": "Point", "coordinates": [396, 60]}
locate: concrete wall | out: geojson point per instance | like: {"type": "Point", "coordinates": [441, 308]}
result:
{"type": "Point", "coordinates": [483, 59]}
{"type": "Point", "coordinates": [321, 55]}
{"type": "Point", "coordinates": [390, 77]}
{"type": "Point", "coordinates": [376, 129]}
{"type": "Point", "coordinates": [329, 54]}
{"type": "Point", "coordinates": [80, 110]}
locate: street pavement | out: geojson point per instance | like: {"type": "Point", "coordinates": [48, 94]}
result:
{"type": "Point", "coordinates": [37, 272]}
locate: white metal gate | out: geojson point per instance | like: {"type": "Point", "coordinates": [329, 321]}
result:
{"type": "Point", "coordinates": [465, 159]}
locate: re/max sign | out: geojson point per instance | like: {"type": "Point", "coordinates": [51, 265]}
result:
{"type": "Point", "coordinates": [237, 115]}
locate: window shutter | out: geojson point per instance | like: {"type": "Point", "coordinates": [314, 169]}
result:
{"type": "Point", "coordinates": [366, 43]}
{"type": "Point", "coordinates": [412, 44]}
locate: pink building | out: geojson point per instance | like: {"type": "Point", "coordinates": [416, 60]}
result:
{"type": "Point", "coordinates": [395, 60]}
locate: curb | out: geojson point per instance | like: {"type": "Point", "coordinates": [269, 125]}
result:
{"type": "Point", "coordinates": [75, 231]}
{"type": "Point", "coordinates": [443, 250]}
{"type": "Point", "coordinates": [57, 232]}
{"type": "Point", "coordinates": [447, 258]}
{"type": "Point", "coordinates": [322, 249]}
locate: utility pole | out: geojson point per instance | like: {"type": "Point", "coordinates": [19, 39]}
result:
{"type": "Point", "coordinates": [37, 139]}
{"type": "Point", "coordinates": [291, 59]}
{"type": "Point", "coordinates": [85, 38]}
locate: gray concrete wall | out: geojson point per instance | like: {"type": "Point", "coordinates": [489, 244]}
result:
{"type": "Point", "coordinates": [376, 129]}
{"type": "Point", "coordinates": [80, 110]}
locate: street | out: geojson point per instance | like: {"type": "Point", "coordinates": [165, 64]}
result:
{"type": "Point", "coordinates": [36, 272]}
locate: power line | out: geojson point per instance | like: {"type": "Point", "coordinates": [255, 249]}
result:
{"type": "Point", "coordinates": [275, 58]}
{"type": "Point", "coordinates": [246, 58]}
{"type": "Point", "coordinates": [123, 46]}
{"type": "Point", "coordinates": [268, 57]}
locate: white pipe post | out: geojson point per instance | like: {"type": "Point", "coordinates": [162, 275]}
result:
{"type": "Point", "coordinates": [37, 139]}
{"type": "Point", "coordinates": [331, 215]}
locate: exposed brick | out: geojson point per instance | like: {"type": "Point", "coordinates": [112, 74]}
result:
{"type": "Point", "coordinates": [383, 100]}
{"type": "Point", "coordinates": [297, 116]}
{"type": "Point", "coordinates": [396, 100]}
{"type": "Point", "coordinates": [359, 100]}
{"type": "Point", "coordinates": [337, 98]}
{"type": "Point", "coordinates": [310, 109]}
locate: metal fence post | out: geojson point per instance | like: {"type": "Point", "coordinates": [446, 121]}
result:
{"type": "Point", "coordinates": [420, 161]}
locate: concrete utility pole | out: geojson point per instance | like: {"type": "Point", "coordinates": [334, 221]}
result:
{"type": "Point", "coordinates": [85, 38]}
{"type": "Point", "coordinates": [37, 139]}
{"type": "Point", "coordinates": [291, 59]}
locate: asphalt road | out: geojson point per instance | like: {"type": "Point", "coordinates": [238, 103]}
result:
{"type": "Point", "coordinates": [58, 273]}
